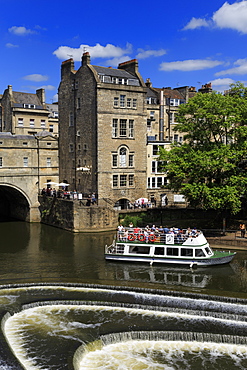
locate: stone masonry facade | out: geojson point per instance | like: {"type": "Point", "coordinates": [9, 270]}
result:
{"type": "Point", "coordinates": [102, 131]}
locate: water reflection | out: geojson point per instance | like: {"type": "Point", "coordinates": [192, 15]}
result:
{"type": "Point", "coordinates": [39, 253]}
{"type": "Point", "coordinates": [169, 276]}
{"type": "Point", "coordinates": [48, 266]}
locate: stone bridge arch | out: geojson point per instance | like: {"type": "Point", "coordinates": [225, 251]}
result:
{"type": "Point", "coordinates": [17, 204]}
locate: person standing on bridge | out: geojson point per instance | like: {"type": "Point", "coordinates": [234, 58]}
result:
{"type": "Point", "coordinates": [242, 230]}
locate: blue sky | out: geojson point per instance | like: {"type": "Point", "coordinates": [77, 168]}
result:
{"type": "Point", "coordinates": [177, 43]}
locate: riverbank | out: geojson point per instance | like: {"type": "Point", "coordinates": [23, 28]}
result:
{"type": "Point", "coordinates": [230, 239]}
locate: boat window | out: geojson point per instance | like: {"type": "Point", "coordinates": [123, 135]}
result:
{"type": "Point", "coordinates": [172, 278]}
{"type": "Point", "coordinates": [119, 248]}
{"type": "Point", "coordinates": [159, 251]}
{"type": "Point", "coordinates": [172, 251]}
{"type": "Point", "coordinates": [208, 251]}
{"type": "Point", "coordinates": [187, 252]}
{"type": "Point", "coordinates": [199, 253]}
{"type": "Point", "coordinates": [138, 249]}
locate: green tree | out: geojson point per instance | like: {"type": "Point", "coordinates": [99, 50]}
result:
{"type": "Point", "coordinates": [209, 167]}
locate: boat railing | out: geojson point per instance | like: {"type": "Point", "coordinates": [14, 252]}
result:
{"type": "Point", "coordinates": [143, 235]}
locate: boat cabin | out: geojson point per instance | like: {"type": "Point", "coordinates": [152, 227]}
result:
{"type": "Point", "coordinates": [162, 251]}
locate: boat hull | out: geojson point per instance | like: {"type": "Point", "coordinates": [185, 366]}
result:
{"type": "Point", "coordinates": [173, 261]}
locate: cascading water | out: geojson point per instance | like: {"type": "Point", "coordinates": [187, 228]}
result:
{"type": "Point", "coordinates": [105, 327]}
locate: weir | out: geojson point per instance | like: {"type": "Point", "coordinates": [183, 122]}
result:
{"type": "Point", "coordinates": [96, 316]}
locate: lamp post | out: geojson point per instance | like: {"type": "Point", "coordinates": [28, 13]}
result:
{"type": "Point", "coordinates": [38, 163]}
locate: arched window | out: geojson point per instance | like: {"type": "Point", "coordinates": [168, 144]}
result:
{"type": "Point", "coordinates": [122, 157]}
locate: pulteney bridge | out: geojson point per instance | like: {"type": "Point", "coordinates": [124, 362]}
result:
{"type": "Point", "coordinates": [27, 162]}
{"type": "Point", "coordinates": [19, 199]}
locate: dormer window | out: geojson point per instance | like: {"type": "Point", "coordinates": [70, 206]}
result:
{"type": "Point", "coordinates": [151, 101]}
{"type": "Point", "coordinates": [29, 106]}
{"type": "Point", "coordinates": [174, 102]}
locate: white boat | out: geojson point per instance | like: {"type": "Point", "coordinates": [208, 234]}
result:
{"type": "Point", "coordinates": [176, 248]}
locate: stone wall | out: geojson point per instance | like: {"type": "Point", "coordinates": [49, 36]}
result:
{"type": "Point", "coordinates": [73, 216]}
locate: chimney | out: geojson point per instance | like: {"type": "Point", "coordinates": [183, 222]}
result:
{"type": "Point", "coordinates": [207, 88]}
{"type": "Point", "coordinates": [85, 60]}
{"type": "Point", "coordinates": [67, 67]}
{"type": "Point", "coordinates": [130, 66]}
{"type": "Point", "coordinates": [148, 82]}
{"type": "Point", "coordinates": [41, 95]}
{"type": "Point", "coordinates": [10, 89]}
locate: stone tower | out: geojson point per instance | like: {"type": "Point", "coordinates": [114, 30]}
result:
{"type": "Point", "coordinates": [102, 132]}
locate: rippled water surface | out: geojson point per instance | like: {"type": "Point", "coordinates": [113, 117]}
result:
{"type": "Point", "coordinates": [63, 307]}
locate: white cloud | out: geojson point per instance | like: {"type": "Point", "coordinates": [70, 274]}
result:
{"type": "Point", "coordinates": [143, 54]}
{"type": "Point", "coordinates": [34, 88]}
{"type": "Point", "coordinates": [232, 16]}
{"type": "Point", "coordinates": [55, 98]}
{"type": "Point", "coordinates": [11, 46]}
{"type": "Point", "coordinates": [37, 27]}
{"type": "Point", "coordinates": [48, 87]}
{"type": "Point", "coordinates": [114, 62]}
{"type": "Point", "coordinates": [36, 77]}
{"type": "Point", "coordinates": [222, 82]}
{"type": "Point", "coordinates": [189, 65]}
{"type": "Point", "coordinates": [20, 31]}
{"type": "Point", "coordinates": [97, 51]}
{"type": "Point", "coordinates": [197, 23]}
{"type": "Point", "coordinates": [240, 69]}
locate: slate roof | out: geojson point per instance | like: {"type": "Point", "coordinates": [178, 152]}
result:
{"type": "Point", "coordinates": [113, 72]}
{"type": "Point", "coordinates": [151, 93]}
{"type": "Point", "coordinates": [26, 98]}
{"type": "Point", "coordinates": [16, 137]}
{"type": "Point", "coordinates": [44, 134]}
{"type": "Point", "coordinates": [170, 93]}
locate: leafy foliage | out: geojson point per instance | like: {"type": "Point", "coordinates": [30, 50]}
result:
{"type": "Point", "coordinates": [136, 220]}
{"type": "Point", "coordinates": [209, 167]}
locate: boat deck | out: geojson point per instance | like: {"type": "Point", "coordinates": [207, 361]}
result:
{"type": "Point", "coordinates": [177, 237]}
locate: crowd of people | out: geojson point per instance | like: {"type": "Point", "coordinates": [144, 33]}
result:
{"type": "Point", "coordinates": [71, 195]}
{"type": "Point", "coordinates": [153, 233]}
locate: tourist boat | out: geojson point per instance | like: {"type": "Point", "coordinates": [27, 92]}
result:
{"type": "Point", "coordinates": [178, 248]}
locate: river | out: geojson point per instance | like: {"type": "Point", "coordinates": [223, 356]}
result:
{"type": "Point", "coordinates": [64, 307]}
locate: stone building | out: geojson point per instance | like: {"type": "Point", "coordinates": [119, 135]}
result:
{"type": "Point", "coordinates": [162, 106]}
{"type": "Point", "coordinates": [27, 163]}
{"type": "Point", "coordinates": [53, 118]}
{"type": "Point", "coordinates": [102, 130]}
{"type": "Point", "coordinates": [28, 152]}
{"type": "Point", "coordinates": [27, 113]}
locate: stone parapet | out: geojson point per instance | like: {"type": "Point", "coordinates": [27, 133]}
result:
{"type": "Point", "coordinates": [73, 216]}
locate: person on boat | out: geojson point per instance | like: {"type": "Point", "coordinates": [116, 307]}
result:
{"type": "Point", "coordinates": [120, 231]}
{"type": "Point", "coordinates": [120, 227]}
{"type": "Point", "coordinates": [166, 230]}
{"type": "Point", "coordinates": [161, 230]}
{"type": "Point", "coordinates": [136, 230]}
{"type": "Point", "coordinates": [188, 232]}
{"type": "Point", "coordinates": [125, 235]}
{"type": "Point", "coordinates": [131, 226]}
{"type": "Point", "coordinates": [146, 234]}
{"type": "Point", "coordinates": [194, 232]}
